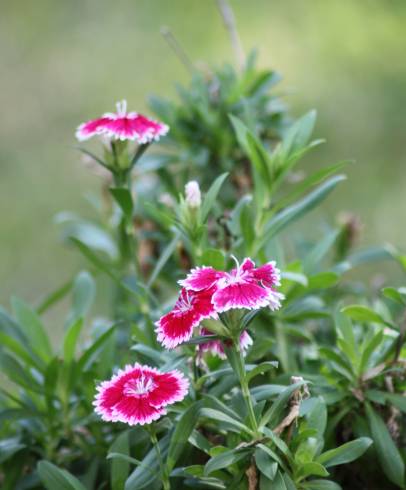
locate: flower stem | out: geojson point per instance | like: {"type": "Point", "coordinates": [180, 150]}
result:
{"type": "Point", "coordinates": [164, 476]}
{"type": "Point", "coordinates": [237, 362]}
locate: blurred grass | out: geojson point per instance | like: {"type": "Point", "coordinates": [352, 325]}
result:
{"type": "Point", "coordinates": [63, 62]}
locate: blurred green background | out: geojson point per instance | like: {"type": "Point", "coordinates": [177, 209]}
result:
{"type": "Point", "coordinates": [62, 62]}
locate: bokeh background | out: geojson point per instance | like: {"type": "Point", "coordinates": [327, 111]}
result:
{"type": "Point", "coordinates": [62, 62]}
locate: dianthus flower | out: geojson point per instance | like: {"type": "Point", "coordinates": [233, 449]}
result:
{"type": "Point", "coordinates": [206, 292]}
{"type": "Point", "coordinates": [139, 394]}
{"type": "Point", "coordinates": [190, 309]}
{"type": "Point", "coordinates": [123, 125]}
{"type": "Point", "coordinates": [244, 287]}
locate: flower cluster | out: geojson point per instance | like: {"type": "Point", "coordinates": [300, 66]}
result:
{"type": "Point", "coordinates": [123, 125]}
{"type": "Point", "coordinates": [139, 394]}
{"type": "Point", "coordinates": [207, 292]}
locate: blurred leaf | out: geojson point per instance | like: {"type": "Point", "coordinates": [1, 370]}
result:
{"type": "Point", "coordinates": [140, 478]}
{"type": "Point", "coordinates": [163, 259]}
{"type": "Point", "coordinates": [362, 313]}
{"type": "Point", "coordinates": [120, 467]}
{"type": "Point", "coordinates": [225, 459]}
{"type": "Point", "coordinates": [292, 213]}
{"type": "Point", "coordinates": [91, 353]}
{"type": "Point", "coordinates": [346, 453]}
{"type": "Point", "coordinates": [8, 447]}
{"type": "Point", "coordinates": [211, 196]}
{"type": "Point", "coordinates": [321, 485]}
{"type": "Point", "coordinates": [54, 297]}
{"type": "Point", "coordinates": [124, 199]}
{"type": "Point", "coordinates": [261, 369]}
{"type": "Point", "coordinates": [276, 410]}
{"type": "Point", "coordinates": [266, 465]}
{"type": "Point", "coordinates": [233, 424]}
{"type": "Point", "coordinates": [33, 328]}
{"type": "Point", "coordinates": [213, 257]}
{"type": "Point", "coordinates": [54, 478]}
{"type": "Point", "coordinates": [323, 280]}
{"type": "Point", "coordinates": [389, 457]}
{"type": "Point", "coordinates": [183, 428]}
{"type": "Point", "coordinates": [70, 340]}
{"type": "Point", "coordinates": [312, 469]}
{"type": "Point", "coordinates": [369, 350]}
{"type": "Point", "coordinates": [319, 251]}
{"type": "Point", "coordinates": [83, 294]}
{"type": "Point", "coordinates": [398, 295]}
{"type": "Point", "coordinates": [17, 374]}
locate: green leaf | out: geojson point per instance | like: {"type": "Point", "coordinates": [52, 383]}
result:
{"type": "Point", "coordinates": [119, 466]}
{"type": "Point", "coordinates": [398, 295]}
{"type": "Point", "coordinates": [370, 348]}
{"type": "Point", "coordinates": [319, 251]}
{"type": "Point", "coordinates": [17, 374]}
{"type": "Point", "coordinates": [142, 477]}
{"type": "Point", "coordinates": [261, 369]}
{"type": "Point", "coordinates": [163, 259]}
{"type": "Point", "coordinates": [124, 199]}
{"type": "Point", "coordinates": [388, 454]}
{"type": "Point", "coordinates": [312, 468]}
{"type": "Point", "coordinates": [211, 196]}
{"type": "Point", "coordinates": [222, 417]}
{"type": "Point", "coordinates": [8, 447]}
{"type": "Point", "coordinates": [21, 350]}
{"type": "Point", "coordinates": [83, 294]}
{"type": "Point", "coordinates": [323, 280]}
{"type": "Point", "coordinates": [225, 459]}
{"type": "Point", "coordinates": [266, 465]}
{"type": "Point", "coordinates": [321, 485]}
{"type": "Point", "coordinates": [292, 213]}
{"type": "Point", "coordinates": [364, 314]}
{"type": "Point", "coordinates": [252, 147]}
{"type": "Point", "coordinates": [399, 401]}
{"type": "Point", "coordinates": [312, 180]}
{"type": "Point", "coordinates": [272, 415]}
{"type": "Point", "coordinates": [54, 297]}
{"type": "Point", "coordinates": [56, 479]}
{"type": "Point", "coordinates": [346, 453]}
{"type": "Point", "coordinates": [213, 257]}
{"type": "Point", "coordinates": [70, 340]}
{"type": "Point", "coordinates": [90, 354]}
{"type": "Point", "coordinates": [183, 428]}
{"type": "Point", "coordinates": [32, 326]}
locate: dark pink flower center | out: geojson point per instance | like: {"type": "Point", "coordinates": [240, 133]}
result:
{"type": "Point", "coordinates": [139, 387]}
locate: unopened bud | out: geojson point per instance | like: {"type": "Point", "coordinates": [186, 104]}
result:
{"type": "Point", "coordinates": [193, 195]}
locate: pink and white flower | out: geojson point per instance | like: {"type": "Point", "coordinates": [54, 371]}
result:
{"type": "Point", "coordinates": [190, 309]}
{"type": "Point", "coordinates": [216, 347]}
{"type": "Point", "coordinates": [123, 125]}
{"type": "Point", "coordinates": [139, 394]}
{"type": "Point", "coordinates": [244, 287]}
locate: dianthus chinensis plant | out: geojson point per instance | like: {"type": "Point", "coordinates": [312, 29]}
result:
{"type": "Point", "coordinates": [240, 353]}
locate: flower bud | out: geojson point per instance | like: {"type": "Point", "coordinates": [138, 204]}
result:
{"type": "Point", "coordinates": [192, 194]}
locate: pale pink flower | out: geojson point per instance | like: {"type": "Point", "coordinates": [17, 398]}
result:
{"type": "Point", "coordinates": [139, 394]}
{"type": "Point", "coordinates": [216, 347]}
{"type": "Point", "coordinates": [192, 194]}
{"type": "Point", "coordinates": [190, 309]}
{"type": "Point", "coordinates": [123, 125]}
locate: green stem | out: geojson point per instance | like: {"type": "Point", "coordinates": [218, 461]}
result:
{"type": "Point", "coordinates": [239, 368]}
{"type": "Point", "coordinates": [164, 476]}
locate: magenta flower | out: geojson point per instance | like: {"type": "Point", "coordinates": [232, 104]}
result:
{"type": "Point", "coordinates": [139, 394]}
{"type": "Point", "coordinates": [190, 309]}
{"type": "Point", "coordinates": [216, 348]}
{"type": "Point", "coordinates": [123, 125]}
{"type": "Point", "coordinates": [244, 287]}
